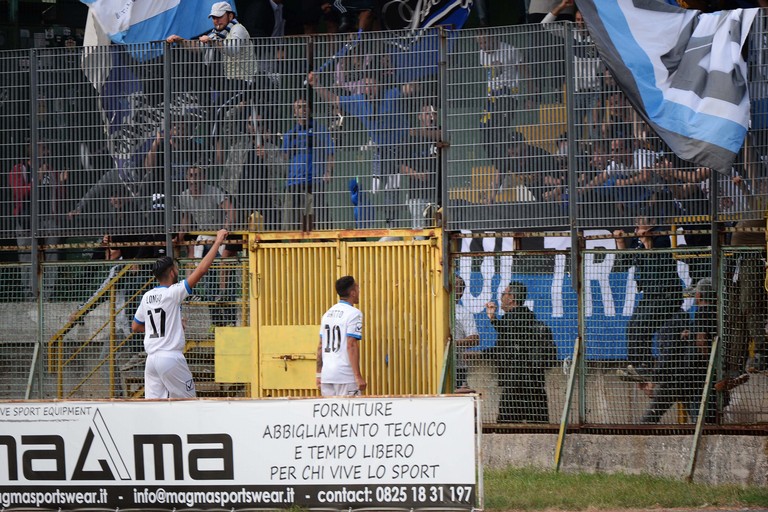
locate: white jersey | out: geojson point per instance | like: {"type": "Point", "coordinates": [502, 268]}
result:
{"type": "Point", "coordinates": [340, 322]}
{"type": "Point", "coordinates": [160, 313]}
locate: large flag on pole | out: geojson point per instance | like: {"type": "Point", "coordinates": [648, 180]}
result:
{"type": "Point", "coordinates": [141, 21]}
{"type": "Point", "coordinates": [681, 69]}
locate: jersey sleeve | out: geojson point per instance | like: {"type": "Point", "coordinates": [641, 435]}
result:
{"type": "Point", "coordinates": [139, 317]}
{"type": "Point", "coordinates": [180, 291]}
{"type": "Point", "coordinates": [355, 326]}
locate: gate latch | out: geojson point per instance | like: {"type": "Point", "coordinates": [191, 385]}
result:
{"type": "Point", "coordinates": [290, 357]}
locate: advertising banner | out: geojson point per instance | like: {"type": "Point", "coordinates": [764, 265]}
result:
{"type": "Point", "coordinates": [201, 455]}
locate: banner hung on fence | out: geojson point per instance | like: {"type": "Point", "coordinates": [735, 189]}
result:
{"type": "Point", "coordinates": [682, 70]}
{"type": "Point", "coordinates": [332, 453]}
{"type": "Point", "coordinates": [611, 296]}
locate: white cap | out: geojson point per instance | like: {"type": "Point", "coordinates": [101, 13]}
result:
{"type": "Point", "coordinates": [220, 9]}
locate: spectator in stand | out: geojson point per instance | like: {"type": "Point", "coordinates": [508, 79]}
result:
{"type": "Point", "coordinates": [309, 150]}
{"type": "Point", "coordinates": [587, 67]}
{"type": "Point", "coordinates": [503, 66]}
{"type": "Point", "coordinates": [539, 9]}
{"type": "Point", "coordinates": [681, 369]}
{"type": "Point", "coordinates": [422, 166]}
{"type": "Point", "coordinates": [352, 12]}
{"type": "Point", "coordinates": [233, 42]}
{"type": "Point", "coordinates": [624, 180]}
{"type": "Point", "coordinates": [51, 194]}
{"type": "Point", "coordinates": [616, 117]}
{"type": "Point", "coordinates": [531, 166]}
{"type": "Point", "coordinates": [748, 309]}
{"type": "Point", "coordinates": [184, 151]}
{"type": "Point", "coordinates": [204, 207]}
{"type": "Point", "coordinates": [657, 280]}
{"type": "Point", "coordinates": [524, 349]}
{"type": "Point", "coordinates": [314, 12]}
{"type": "Point", "coordinates": [382, 111]}
{"type": "Point", "coordinates": [688, 193]}
{"type": "Point", "coordinates": [264, 168]}
{"type": "Point", "coordinates": [465, 335]}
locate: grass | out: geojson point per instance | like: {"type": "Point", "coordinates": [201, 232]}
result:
{"type": "Point", "coordinates": [528, 489]}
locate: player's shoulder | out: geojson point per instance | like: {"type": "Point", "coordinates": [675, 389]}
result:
{"type": "Point", "coordinates": [351, 311]}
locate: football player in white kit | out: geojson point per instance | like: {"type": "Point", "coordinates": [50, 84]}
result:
{"type": "Point", "coordinates": [166, 374]}
{"type": "Point", "coordinates": [338, 354]}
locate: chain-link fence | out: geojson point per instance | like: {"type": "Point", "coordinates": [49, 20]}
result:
{"type": "Point", "coordinates": [78, 341]}
{"type": "Point", "coordinates": [507, 129]}
{"type": "Point", "coordinates": [647, 323]}
{"type": "Point", "coordinates": [515, 324]}
{"type": "Point", "coordinates": [499, 126]}
{"type": "Point", "coordinates": [742, 375]}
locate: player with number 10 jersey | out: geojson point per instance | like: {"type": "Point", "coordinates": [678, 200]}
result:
{"type": "Point", "coordinates": [342, 320]}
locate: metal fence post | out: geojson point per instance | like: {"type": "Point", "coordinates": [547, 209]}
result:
{"type": "Point", "coordinates": [713, 355]}
{"type": "Point", "coordinates": [34, 140]}
{"type": "Point", "coordinates": [573, 213]}
{"type": "Point", "coordinates": [442, 102]}
{"type": "Point", "coordinates": [35, 268]}
{"type": "Point", "coordinates": [167, 161]}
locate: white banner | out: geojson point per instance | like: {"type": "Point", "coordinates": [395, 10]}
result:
{"type": "Point", "coordinates": [346, 453]}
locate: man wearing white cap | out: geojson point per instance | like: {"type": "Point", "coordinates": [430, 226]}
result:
{"type": "Point", "coordinates": [233, 41]}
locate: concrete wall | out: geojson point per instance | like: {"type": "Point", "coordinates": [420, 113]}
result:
{"type": "Point", "coordinates": [722, 459]}
{"type": "Point", "coordinates": [610, 401]}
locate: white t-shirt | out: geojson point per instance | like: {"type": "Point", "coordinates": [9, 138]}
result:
{"type": "Point", "coordinates": [160, 313]}
{"type": "Point", "coordinates": [239, 59]}
{"type": "Point", "coordinates": [340, 322]}
{"type": "Point", "coordinates": [464, 326]}
{"type": "Point", "coordinates": [502, 66]}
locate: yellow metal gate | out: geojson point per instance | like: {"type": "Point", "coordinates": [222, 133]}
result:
{"type": "Point", "coordinates": [402, 299]}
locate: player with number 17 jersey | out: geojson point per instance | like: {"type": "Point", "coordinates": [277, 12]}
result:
{"type": "Point", "coordinates": [160, 312]}
{"type": "Point", "coordinates": [342, 320]}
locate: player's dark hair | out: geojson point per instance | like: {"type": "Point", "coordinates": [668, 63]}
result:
{"type": "Point", "coordinates": [344, 285]}
{"type": "Point", "coordinates": [161, 267]}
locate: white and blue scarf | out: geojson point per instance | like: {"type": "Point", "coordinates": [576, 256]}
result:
{"type": "Point", "coordinates": [222, 34]}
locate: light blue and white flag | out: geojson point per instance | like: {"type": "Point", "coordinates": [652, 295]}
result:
{"type": "Point", "coordinates": [141, 21]}
{"type": "Point", "coordinates": [681, 69]}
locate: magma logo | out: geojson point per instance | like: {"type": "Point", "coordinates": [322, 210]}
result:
{"type": "Point", "coordinates": [43, 457]}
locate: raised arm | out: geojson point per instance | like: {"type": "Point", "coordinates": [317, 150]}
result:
{"type": "Point", "coordinates": [206, 262]}
{"type": "Point", "coordinates": [324, 93]}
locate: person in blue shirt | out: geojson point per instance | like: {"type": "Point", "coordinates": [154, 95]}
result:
{"type": "Point", "coordinates": [309, 149]}
{"type": "Point", "coordinates": [383, 113]}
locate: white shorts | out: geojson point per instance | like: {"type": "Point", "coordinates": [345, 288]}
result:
{"type": "Point", "coordinates": [166, 375]}
{"type": "Point", "coordinates": [349, 389]}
